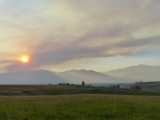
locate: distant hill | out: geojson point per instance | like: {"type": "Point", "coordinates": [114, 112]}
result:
{"type": "Point", "coordinates": [77, 76]}
{"type": "Point", "coordinates": [31, 77]}
{"type": "Point", "coordinates": [137, 73]}
{"type": "Point", "coordinates": [151, 86]}
{"type": "Point", "coordinates": [48, 77]}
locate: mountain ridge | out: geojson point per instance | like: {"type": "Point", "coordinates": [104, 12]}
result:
{"type": "Point", "coordinates": [89, 76]}
{"type": "Point", "coordinates": [31, 77]}
{"type": "Point", "coordinates": [49, 77]}
{"type": "Point", "coordinates": [137, 73]}
{"type": "Point", "coordinates": [126, 75]}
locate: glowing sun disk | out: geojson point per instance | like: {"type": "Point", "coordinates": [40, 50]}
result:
{"type": "Point", "coordinates": [25, 59]}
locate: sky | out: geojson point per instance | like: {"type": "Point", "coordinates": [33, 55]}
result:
{"type": "Point", "coordinates": [60, 35]}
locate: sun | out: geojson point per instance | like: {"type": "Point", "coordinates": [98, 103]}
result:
{"type": "Point", "coordinates": [24, 59]}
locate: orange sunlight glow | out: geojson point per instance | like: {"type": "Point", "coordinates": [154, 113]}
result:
{"type": "Point", "coordinates": [24, 59]}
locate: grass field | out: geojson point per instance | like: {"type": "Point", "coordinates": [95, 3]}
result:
{"type": "Point", "coordinates": [80, 107]}
{"type": "Point", "coordinates": [67, 90]}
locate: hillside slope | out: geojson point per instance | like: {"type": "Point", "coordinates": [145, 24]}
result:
{"type": "Point", "coordinates": [31, 77]}
{"type": "Point", "coordinates": [137, 73]}
{"type": "Point", "coordinates": [77, 76]}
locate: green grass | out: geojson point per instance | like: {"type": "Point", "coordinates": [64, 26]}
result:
{"type": "Point", "coordinates": [80, 107]}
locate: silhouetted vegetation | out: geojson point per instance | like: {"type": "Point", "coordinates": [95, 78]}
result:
{"type": "Point", "coordinates": [83, 83]}
{"type": "Point", "coordinates": [114, 86]}
{"type": "Point", "coordinates": [137, 85]}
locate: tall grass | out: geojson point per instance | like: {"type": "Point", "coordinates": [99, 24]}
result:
{"type": "Point", "coordinates": [80, 107]}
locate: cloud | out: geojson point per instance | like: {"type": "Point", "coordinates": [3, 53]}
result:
{"type": "Point", "coordinates": [55, 32]}
{"type": "Point", "coordinates": [49, 54]}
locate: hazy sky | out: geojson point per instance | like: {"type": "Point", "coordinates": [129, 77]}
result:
{"type": "Point", "coordinates": [61, 35]}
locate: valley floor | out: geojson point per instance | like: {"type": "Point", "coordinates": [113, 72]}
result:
{"type": "Point", "coordinates": [25, 90]}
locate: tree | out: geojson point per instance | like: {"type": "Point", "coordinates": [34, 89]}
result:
{"type": "Point", "coordinates": [83, 83]}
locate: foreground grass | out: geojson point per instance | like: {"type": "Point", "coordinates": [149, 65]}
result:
{"type": "Point", "coordinates": [80, 107]}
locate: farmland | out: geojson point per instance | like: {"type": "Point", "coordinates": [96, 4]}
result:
{"type": "Point", "coordinates": [54, 102]}
{"type": "Point", "coordinates": [80, 107]}
{"type": "Point", "coordinates": [67, 90]}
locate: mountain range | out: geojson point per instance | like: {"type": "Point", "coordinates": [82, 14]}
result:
{"type": "Point", "coordinates": [77, 76]}
{"type": "Point", "coordinates": [137, 73]}
{"type": "Point", "coordinates": [127, 75]}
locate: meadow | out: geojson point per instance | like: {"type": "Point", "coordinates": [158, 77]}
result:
{"type": "Point", "coordinates": [33, 90]}
{"type": "Point", "coordinates": [80, 107]}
